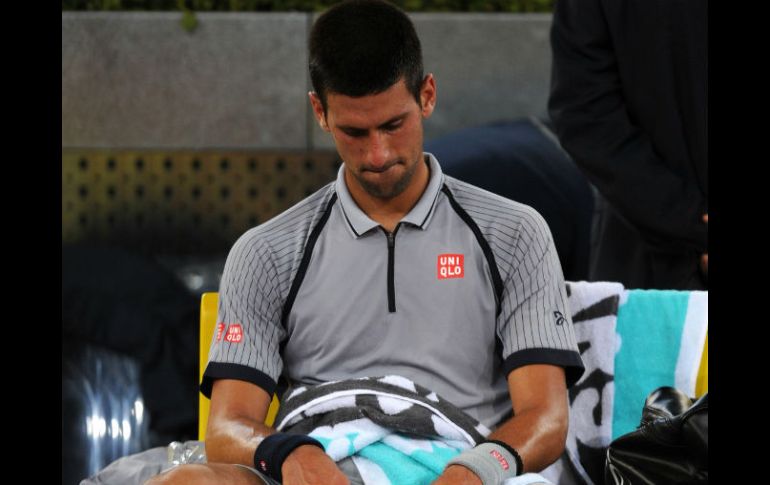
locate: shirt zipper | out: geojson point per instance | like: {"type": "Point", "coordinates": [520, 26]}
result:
{"type": "Point", "coordinates": [391, 272]}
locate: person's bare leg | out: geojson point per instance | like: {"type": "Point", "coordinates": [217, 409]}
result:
{"type": "Point", "coordinates": [207, 474]}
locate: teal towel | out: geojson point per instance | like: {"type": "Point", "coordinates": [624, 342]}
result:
{"type": "Point", "coordinates": [418, 468]}
{"type": "Point", "coordinates": [661, 335]}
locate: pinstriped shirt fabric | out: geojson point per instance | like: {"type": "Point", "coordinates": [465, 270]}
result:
{"type": "Point", "coordinates": [255, 283]}
{"type": "Point", "coordinates": [321, 292]}
{"type": "Point", "coordinates": [534, 287]}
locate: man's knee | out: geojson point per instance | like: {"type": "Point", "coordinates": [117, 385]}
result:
{"type": "Point", "coordinates": [208, 474]}
{"type": "Point", "coordinates": [193, 474]}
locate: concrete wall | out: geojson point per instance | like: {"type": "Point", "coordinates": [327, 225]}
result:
{"type": "Point", "coordinates": [138, 80]}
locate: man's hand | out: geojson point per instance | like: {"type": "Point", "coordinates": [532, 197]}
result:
{"type": "Point", "coordinates": [704, 259]}
{"type": "Point", "coordinates": [309, 465]}
{"type": "Point", "coordinates": [457, 475]}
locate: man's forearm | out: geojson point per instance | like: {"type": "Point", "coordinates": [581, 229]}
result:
{"type": "Point", "coordinates": [235, 441]}
{"type": "Point", "coordinates": [538, 436]}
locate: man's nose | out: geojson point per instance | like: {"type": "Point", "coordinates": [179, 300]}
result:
{"type": "Point", "coordinates": [378, 151]}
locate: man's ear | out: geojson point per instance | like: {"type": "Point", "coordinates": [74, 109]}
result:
{"type": "Point", "coordinates": [428, 96]}
{"type": "Point", "coordinates": [318, 110]}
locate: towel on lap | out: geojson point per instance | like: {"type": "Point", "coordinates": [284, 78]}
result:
{"type": "Point", "coordinates": [396, 431]}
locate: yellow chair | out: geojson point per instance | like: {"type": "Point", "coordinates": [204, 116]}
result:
{"type": "Point", "coordinates": [208, 323]}
{"type": "Point", "coordinates": [702, 382]}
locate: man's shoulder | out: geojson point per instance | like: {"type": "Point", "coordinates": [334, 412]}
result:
{"type": "Point", "coordinates": [510, 228]}
{"type": "Point", "coordinates": [486, 207]}
{"type": "Point", "coordinates": [295, 222]}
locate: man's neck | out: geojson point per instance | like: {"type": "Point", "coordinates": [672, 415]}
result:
{"type": "Point", "coordinates": [389, 212]}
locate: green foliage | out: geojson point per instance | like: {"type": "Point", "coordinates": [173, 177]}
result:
{"type": "Point", "coordinates": [305, 5]}
{"type": "Point", "coordinates": [163, 5]}
{"type": "Point", "coordinates": [189, 22]}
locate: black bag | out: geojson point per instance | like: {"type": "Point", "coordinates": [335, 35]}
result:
{"type": "Point", "coordinates": [669, 447]}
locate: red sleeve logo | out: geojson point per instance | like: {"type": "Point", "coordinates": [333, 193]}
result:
{"type": "Point", "coordinates": [451, 266]}
{"type": "Point", "coordinates": [220, 330]}
{"type": "Point", "coordinates": [234, 334]}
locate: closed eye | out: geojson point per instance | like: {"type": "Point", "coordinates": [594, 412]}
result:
{"type": "Point", "coordinates": [352, 132]}
{"type": "Point", "coordinates": [392, 126]}
{"type": "Point", "coordinates": [389, 126]}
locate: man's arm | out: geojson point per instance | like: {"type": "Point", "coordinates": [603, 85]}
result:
{"type": "Point", "coordinates": [239, 405]}
{"type": "Point", "coordinates": [538, 429]}
{"type": "Point", "coordinates": [236, 421]}
{"type": "Point", "coordinates": [236, 427]}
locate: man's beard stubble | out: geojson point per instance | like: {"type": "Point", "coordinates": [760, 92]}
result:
{"type": "Point", "coordinates": [388, 192]}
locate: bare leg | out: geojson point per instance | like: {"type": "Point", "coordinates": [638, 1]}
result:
{"type": "Point", "coordinates": [207, 474]}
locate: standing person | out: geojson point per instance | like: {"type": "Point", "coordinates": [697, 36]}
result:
{"type": "Point", "coordinates": [629, 104]}
{"type": "Point", "coordinates": [352, 282]}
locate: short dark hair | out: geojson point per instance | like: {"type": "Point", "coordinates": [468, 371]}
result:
{"type": "Point", "coordinates": [364, 47]}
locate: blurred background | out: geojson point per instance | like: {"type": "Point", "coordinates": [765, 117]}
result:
{"type": "Point", "coordinates": [185, 123]}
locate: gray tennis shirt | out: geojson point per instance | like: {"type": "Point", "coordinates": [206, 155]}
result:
{"type": "Point", "coordinates": [467, 288]}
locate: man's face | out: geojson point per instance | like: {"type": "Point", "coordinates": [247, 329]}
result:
{"type": "Point", "coordinates": [379, 137]}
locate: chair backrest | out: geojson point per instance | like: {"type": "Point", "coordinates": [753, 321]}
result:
{"type": "Point", "coordinates": [208, 322]}
{"type": "Point", "coordinates": [702, 384]}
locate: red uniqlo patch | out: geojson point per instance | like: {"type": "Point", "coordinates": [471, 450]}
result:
{"type": "Point", "coordinates": [234, 333]}
{"type": "Point", "coordinates": [500, 458]}
{"type": "Point", "coordinates": [220, 330]}
{"type": "Point", "coordinates": [451, 266]}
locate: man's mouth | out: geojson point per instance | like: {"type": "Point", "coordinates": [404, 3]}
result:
{"type": "Point", "coordinates": [382, 169]}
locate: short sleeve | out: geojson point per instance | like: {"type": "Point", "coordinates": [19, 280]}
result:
{"type": "Point", "coordinates": [535, 325]}
{"type": "Point", "coordinates": [246, 342]}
